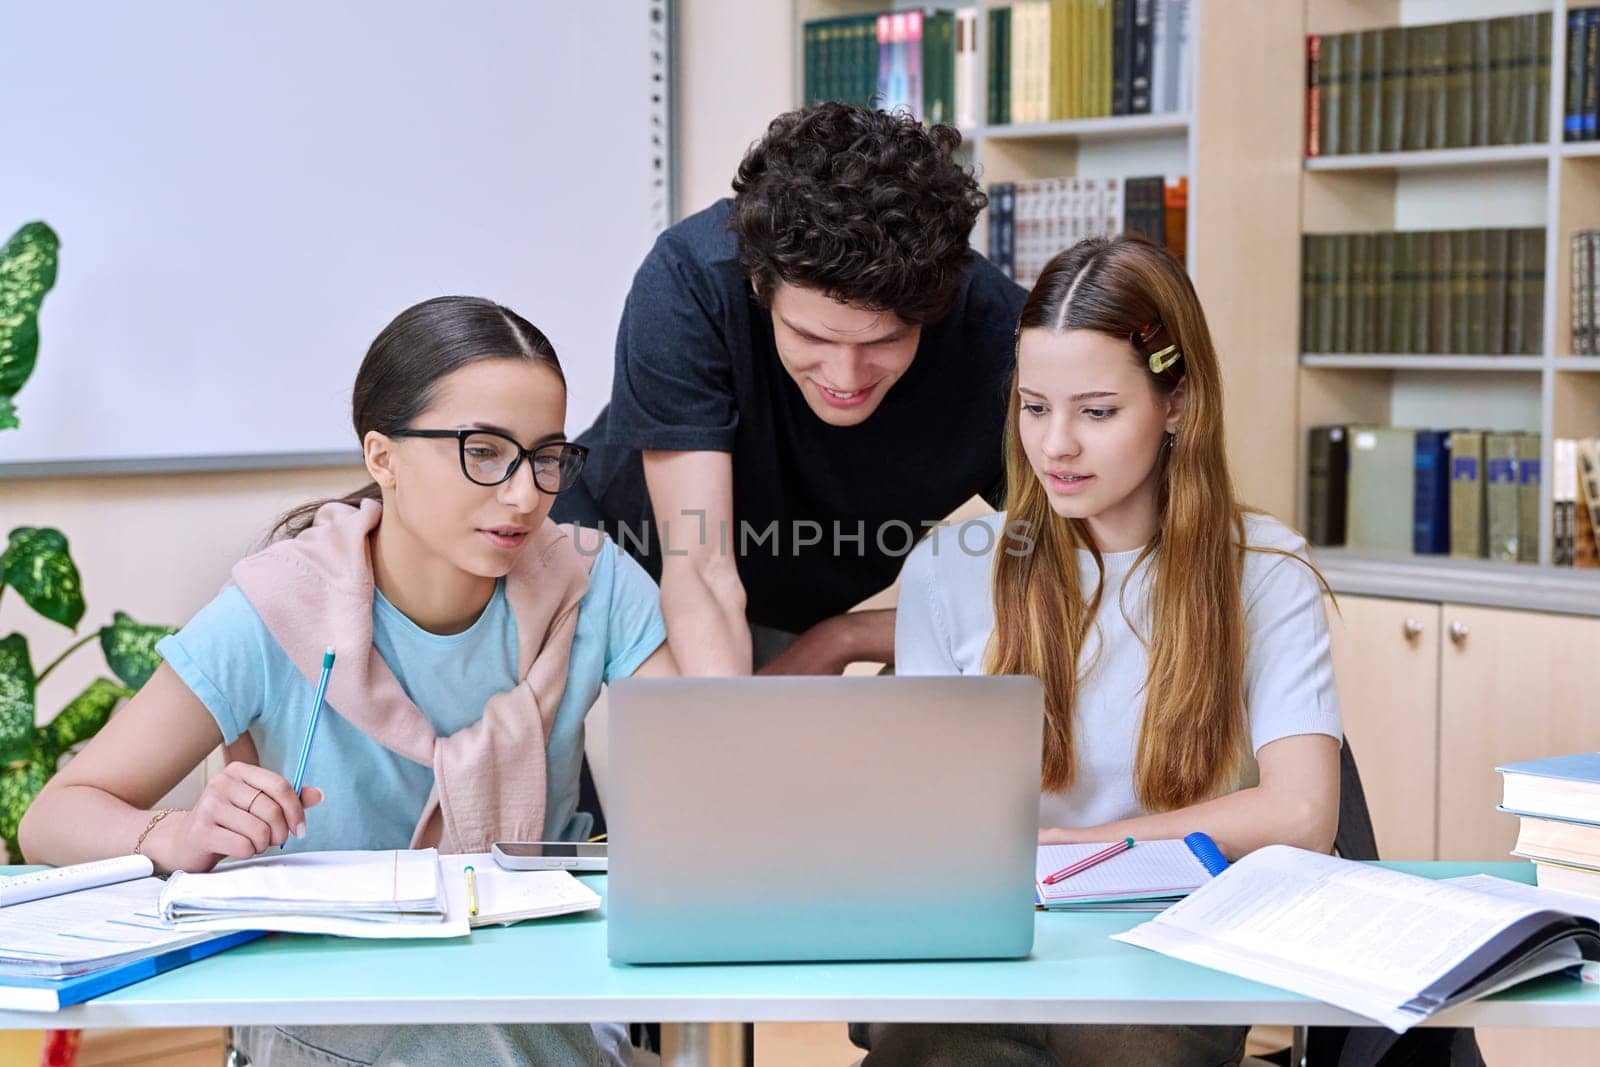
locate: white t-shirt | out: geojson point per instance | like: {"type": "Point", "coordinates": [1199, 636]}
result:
{"type": "Point", "coordinates": [946, 616]}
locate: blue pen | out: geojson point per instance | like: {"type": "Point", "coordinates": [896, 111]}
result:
{"type": "Point", "coordinates": [311, 727]}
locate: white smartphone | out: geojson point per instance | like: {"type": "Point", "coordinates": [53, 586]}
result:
{"type": "Point", "coordinates": [549, 856]}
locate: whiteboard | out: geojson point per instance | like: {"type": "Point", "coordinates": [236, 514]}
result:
{"type": "Point", "coordinates": [246, 194]}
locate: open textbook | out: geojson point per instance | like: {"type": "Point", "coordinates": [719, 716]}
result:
{"type": "Point", "coordinates": [1393, 947]}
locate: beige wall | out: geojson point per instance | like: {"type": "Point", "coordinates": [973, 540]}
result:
{"type": "Point", "coordinates": [735, 73]}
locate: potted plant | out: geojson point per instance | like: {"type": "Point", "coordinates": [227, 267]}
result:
{"type": "Point", "coordinates": [37, 566]}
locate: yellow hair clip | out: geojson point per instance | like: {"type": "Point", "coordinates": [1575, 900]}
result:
{"type": "Point", "coordinates": [1161, 358]}
{"type": "Point", "coordinates": [1159, 364]}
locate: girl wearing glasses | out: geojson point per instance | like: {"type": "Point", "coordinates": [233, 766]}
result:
{"type": "Point", "coordinates": [1179, 635]}
{"type": "Point", "coordinates": [471, 633]}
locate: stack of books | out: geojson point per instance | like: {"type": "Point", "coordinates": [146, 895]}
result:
{"type": "Point", "coordinates": [71, 933]}
{"type": "Point", "coordinates": [1558, 800]}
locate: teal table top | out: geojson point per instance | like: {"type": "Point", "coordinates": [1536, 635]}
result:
{"type": "Point", "coordinates": [557, 971]}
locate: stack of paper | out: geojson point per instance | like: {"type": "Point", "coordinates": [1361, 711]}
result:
{"type": "Point", "coordinates": [68, 948]}
{"type": "Point", "coordinates": [79, 932]}
{"type": "Point", "coordinates": [390, 894]}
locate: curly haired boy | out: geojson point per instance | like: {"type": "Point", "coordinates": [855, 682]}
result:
{"type": "Point", "coordinates": [808, 376]}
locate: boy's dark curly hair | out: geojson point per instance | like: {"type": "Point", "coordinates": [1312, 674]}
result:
{"type": "Point", "coordinates": [864, 205]}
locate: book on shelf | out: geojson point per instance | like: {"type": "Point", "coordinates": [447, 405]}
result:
{"type": "Point", "coordinates": [1430, 534]}
{"type": "Point", "coordinates": [1563, 501]}
{"type": "Point", "coordinates": [1502, 508]}
{"type": "Point", "coordinates": [1467, 533]}
{"type": "Point", "coordinates": [1585, 339]}
{"type": "Point", "coordinates": [998, 84]}
{"type": "Point", "coordinates": [1448, 85]}
{"type": "Point", "coordinates": [1326, 484]}
{"type": "Point", "coordinates": [1380, 494]}
{"type": "Point", "coordinates": [1579, 119]}
{"type": "Point", "coordinates": [1530, 474]}
{"type": "Point", "coordinates": [1585, 524]}
{"type": "Point", "coordinates": [968, 103]}
{"type": "Point", "coordinates": [1436, 292]}
{"type": "Point", "coordinates": [1588, 456]}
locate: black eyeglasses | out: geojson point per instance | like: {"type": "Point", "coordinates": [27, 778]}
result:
{"type": "Point", "coordinates": [489, 458]}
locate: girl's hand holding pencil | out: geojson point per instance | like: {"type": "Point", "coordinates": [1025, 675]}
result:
{"type": "Point", "coordinates": [242, 812]}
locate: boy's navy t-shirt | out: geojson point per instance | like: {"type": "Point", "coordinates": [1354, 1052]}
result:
{"type": "Point", "coordinates": [823, 516]}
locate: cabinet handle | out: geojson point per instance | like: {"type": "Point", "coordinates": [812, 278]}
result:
{"type": "Point", "coordinates": [1413, 629]}
{"type": "Point", "coordinates": [1458, 632]}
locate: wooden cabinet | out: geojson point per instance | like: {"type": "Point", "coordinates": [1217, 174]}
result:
{"type": "Point", "coordinates": [1513, 685]}
{"type": "Point", "coordinates": [1435, 696]}
{"type": "Point", "coordinates": [1386, 662]}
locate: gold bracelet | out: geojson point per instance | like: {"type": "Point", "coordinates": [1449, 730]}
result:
{"type": "Point", "coordinates": [151, 825]}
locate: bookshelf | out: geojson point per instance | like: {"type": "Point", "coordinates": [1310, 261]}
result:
{"type": "Point", "coordinates": [1239, 145]}
{"type": "Point", "coordinates": [1253, 194]}
{"type": "Point", "coordinates": [1548, 184]}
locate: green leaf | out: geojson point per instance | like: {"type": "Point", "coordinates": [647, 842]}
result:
{"type": "Point", "coordinates": [37, 565]}
{"type": "Point", "coordinates": [27, 272]}
{"type": "Point", "coordinates": [8, 414]}
{"type": "Point", "coordinates": [130, 649]}
{"type": "Point", "coordinates": [16, 699]}
{"type": "Point", "coordinates": [19, 784]}
{"type": "Point", "coordinates": [82, 719]}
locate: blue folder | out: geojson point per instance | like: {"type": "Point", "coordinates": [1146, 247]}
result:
{"type": "Point", "coordinates": [19, 993]}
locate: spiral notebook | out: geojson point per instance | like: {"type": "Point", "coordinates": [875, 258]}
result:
{"type": "Point", "coordinates": [1147, 877]}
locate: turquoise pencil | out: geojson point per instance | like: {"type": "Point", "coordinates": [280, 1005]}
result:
{"type": "Point", "coordinates": [311, 727]}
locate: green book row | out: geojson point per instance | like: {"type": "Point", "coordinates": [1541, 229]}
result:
{"type": "Point", "coordinates": [1449, 85]}
{"type": "Point", "coordinates": [1432, 292]}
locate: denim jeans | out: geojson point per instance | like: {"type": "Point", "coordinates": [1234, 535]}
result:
{"type": "Point", "coordinates": [448, 1045]}
{"type": "Point", "coordinates": [1010, 1045]}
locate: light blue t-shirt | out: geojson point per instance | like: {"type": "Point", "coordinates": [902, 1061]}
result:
{"type": "Point", "coordinates": [374, 797]}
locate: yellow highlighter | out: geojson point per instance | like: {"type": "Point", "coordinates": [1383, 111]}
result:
{"type": "Point", "coordinates": [472, 892]}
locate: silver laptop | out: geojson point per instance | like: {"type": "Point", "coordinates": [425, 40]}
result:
{"type": "Point", "coordinates": [756, 819]}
